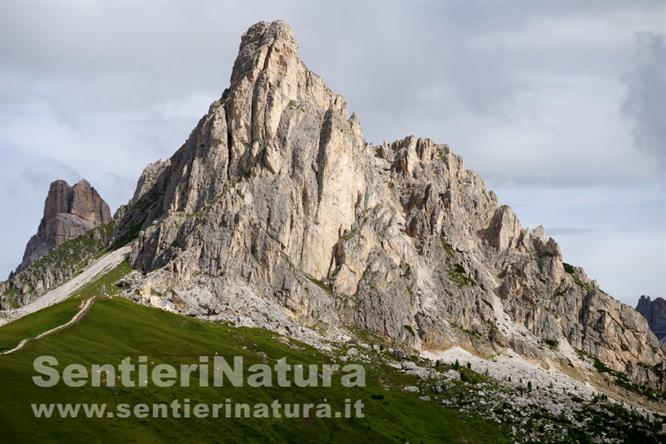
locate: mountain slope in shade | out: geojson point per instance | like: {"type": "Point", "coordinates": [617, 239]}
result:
{"type": "Point", "coordinates": [276, 212]}
{"type": "Point", "coordinates": [655, 313]}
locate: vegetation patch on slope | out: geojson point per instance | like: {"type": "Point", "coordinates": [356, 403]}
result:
{"type": "Point", "coordinates": [621, 379]}
{"type": "Point", "coordinates": [57, 266]}
{"type": "Point", "coordinates": [455, 270]}
{"type": "Point", "coordinates": [135, 218]}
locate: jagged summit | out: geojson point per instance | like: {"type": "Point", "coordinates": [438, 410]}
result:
{"type": "Point", "coordinates": [256, 46]}
{"type": "Point", "coordinates": [276, 212]}
{"type": "Point", "coordinates": [69, 211]}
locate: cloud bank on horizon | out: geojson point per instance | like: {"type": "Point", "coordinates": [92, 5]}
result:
{"type": "Point", "coordinates": [560, 107]}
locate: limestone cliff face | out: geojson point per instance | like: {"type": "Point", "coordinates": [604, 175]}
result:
{"type": "Point", "coordinates": [655, 313]}
{"type": "Point", "coordinates": [276, 210]}
{"type": "Point", "coordinates": [69, 211]}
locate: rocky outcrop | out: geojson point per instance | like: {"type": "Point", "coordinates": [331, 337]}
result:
{"type": "Point", "coordinates": [69, 211]}
{"type": "Point", "coordinates": [655, 313]}
{"type": "Point", "coordinates": [276, 211]}
{"type": "Point", "coordinates": [76, 225]}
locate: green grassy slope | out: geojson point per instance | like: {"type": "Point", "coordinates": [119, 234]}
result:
{"type": "Point", "coordinates": [58, 314]}
{"type": "Point", "coordinates": [116, 328]}
{"type": "Point", "coordinates": [36, 323]}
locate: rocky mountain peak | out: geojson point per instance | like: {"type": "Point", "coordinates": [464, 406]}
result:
{"type": "Point", "coordinates": [275, 212]}
{"type": "Point", "coordinates": [69, 211]}
{"type": "Point", "coordinates": [268, 79]}
{"type": "Point", "coordinates": [264, 43]}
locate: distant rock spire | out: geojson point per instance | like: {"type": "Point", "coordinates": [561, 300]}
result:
{"type": "Point", "coordinates": [655, 313]}
{"type": "Point", "coordinates": [69, 211]}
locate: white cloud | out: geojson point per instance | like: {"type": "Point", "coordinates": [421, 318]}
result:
{"type": "Point", "coordinates": [645, 105]}
{"type": "Point", "coordinates": [602, 28]}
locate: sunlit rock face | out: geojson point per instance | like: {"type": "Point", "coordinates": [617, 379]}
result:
{"type": "Point", "coordinates": [276, 210]}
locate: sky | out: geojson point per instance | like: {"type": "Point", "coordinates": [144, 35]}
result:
{"type": "Point", "coordinates": [560, 106]}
